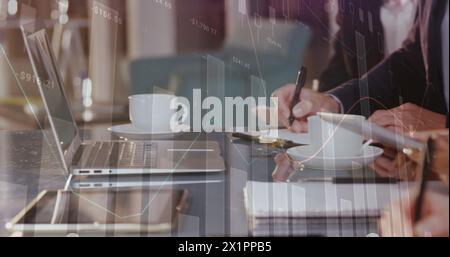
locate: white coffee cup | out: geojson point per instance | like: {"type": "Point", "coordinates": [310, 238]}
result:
{"type": "Point", "coordinates": [155, 113]}
{"type": "Point", "coordinates": [331, 141]}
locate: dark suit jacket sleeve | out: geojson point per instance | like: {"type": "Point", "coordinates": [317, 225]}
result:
{"type": "Point", "coordinates": [384, 85]}
{"type": "Point", "coordinates": [336, 72]}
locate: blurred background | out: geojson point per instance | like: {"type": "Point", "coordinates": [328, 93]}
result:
{"type": "Point", "coordinates": [108, 50]}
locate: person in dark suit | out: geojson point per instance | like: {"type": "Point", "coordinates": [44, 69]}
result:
{"type": "Point", "coordinates": [415, 72]}
{"type": "Point", "coordinates": [369, 29]}
{"type": "Point", "coordinates": [420, 72]}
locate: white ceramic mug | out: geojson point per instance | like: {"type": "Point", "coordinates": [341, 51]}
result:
{"type": "Point", "coordinates": [155, 113]}
{"type": "Point", "coordinates": [330, 140]}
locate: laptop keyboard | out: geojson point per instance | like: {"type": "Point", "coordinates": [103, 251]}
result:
{"type": "Point", "coordinates": [119, 154]}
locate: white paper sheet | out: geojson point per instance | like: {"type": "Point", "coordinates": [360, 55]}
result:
{"type": "Point", "coordinates": [284, 134]}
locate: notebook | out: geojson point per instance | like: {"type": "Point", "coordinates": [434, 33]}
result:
{"type": "Point", "coordinates": [316, 227]}
{"type": "Point", "coordinates": [287, 201]}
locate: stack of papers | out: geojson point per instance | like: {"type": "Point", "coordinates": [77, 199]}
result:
{"type": "Point", "coordinates": [286, 209]}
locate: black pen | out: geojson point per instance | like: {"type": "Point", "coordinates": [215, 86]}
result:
{"type": "Point", "coordinates": [423, 181]}
{"type": "Point", "coordinates": [301, 81]}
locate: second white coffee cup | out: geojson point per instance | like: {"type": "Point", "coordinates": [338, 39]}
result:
{"type": "Point", "coordinates": [332, 141]}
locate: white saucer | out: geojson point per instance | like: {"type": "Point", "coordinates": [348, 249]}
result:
{"type": "Point", "coordinates": [304, 154]}
{"type": "Point", "coordinates": [128, 131]}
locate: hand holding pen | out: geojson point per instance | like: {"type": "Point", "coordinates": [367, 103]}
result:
{"type": "Point", "coordinates": [301, 81]}
{"type": "Point", "coordinates": [296, 103]}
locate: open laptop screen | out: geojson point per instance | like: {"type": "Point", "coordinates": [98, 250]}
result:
{"type": "Point", "coordinates": [49, 81]}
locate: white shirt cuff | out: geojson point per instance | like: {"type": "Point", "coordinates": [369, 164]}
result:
{"type": "Point", "coordinates": [339, 102]}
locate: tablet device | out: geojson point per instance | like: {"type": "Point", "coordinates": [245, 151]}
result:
{"type": "Point", "coordinates": [372, 131]}
{"type": "Point", "coordinates": [101, 211]}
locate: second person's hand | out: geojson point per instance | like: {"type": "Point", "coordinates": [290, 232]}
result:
{"type": "Point", "coordinates": [408, 119]}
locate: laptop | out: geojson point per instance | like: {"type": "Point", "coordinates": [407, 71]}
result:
{"type": "Point", "coordinates": [108, 157]}
{"type": "Point", "coordinates": [178, 180]}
